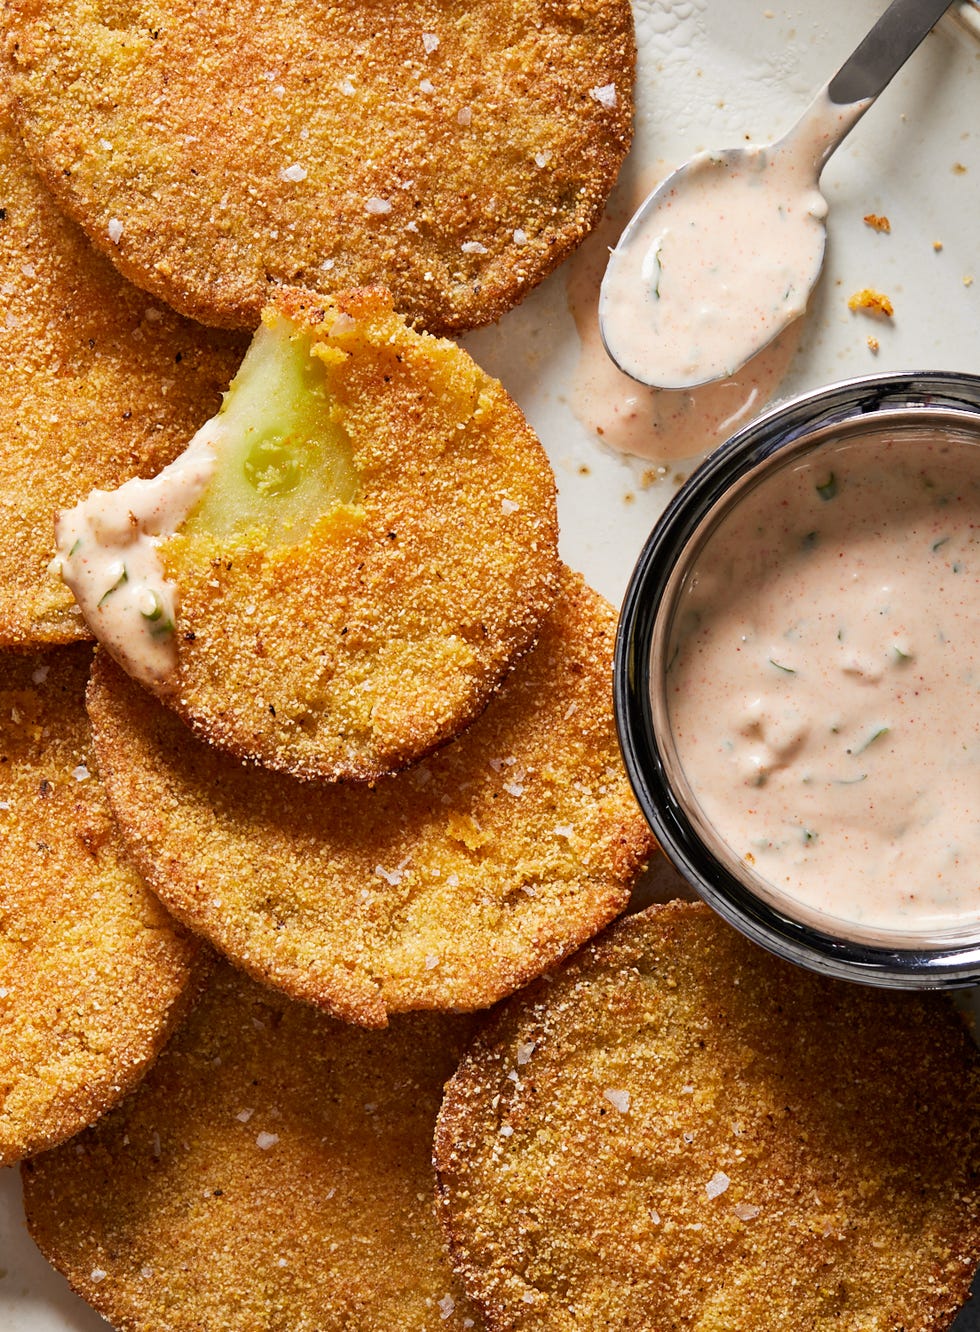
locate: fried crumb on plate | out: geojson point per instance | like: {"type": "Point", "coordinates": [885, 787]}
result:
{"type": "Point", "coordinates": [215, 148]}
{"type": "Point", "coordinates": [93, 973]}
{"type": "Point", "coordinates": [877, 222]}
{"type": "Point", "coordinates": [678, 1130]}
{"type": "Point", "coordinates": [99, 384]}
{"type": "Point", "coordinates": [445, 886]}
{"type": "Point", "coordinates": [870, 302]}
{"type": "Point", "coordinates": [273, 1171]}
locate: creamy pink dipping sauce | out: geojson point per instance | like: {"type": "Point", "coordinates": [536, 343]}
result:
{"type": "Point", "coordinates": [823, 683]}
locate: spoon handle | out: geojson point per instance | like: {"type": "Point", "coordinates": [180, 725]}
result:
{"type": "Point", "coordinates": [885, 49]}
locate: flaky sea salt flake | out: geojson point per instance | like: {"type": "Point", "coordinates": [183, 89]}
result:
{"type": "Point", "coordinates": [393, 877]}
{"type": "Point", "coordinates": [430, 40]}
{"type": "Point", "coordinates": [473, 247]}
{"type": "Point", "coordinates": [446, 1306]}
{"type": "Point", "coordinates": [604, 95]}
{"type": "Point", "coordinates": [294, 173]}
{"type": "Point", "coordinates": [343, 323]}
{"type": "Point", "coordinates": [746, 1211]}
{"type": "Point", "coordinates": [426, 86]}
{"type": "Point", "coordinates": [717, 1184]}
{"type": "Point", "coordinates": [464, 116]}
{"type": "Point", "coordinates": [97, 1274]}
{"type": "Point", "coordinates": [115, 230]}
{"type": "Point", "coordinates": [265, 1140]}
{"type": "Point", "coordinates": [619, 1099]}
{"type": "Point", "coordinates": [377, 205]}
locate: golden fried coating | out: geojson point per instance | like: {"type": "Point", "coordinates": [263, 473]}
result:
{"type": "Point", "coordinates": [272, 1172]}
{"type": "Point", "coordinates": [98, 385]}
{"type": "Point", "coordinates": [384, 631]}
{"type": "Point", "coordinates": [679, 1131]}
{"type": "Point", "coordinates": [211, 148]}
{"type": "Point", "coordinates": [446, 886]}
{"type": "Point", "coordinates": [93, 973]}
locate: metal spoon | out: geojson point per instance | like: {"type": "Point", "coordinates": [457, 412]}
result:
{"type": "Point", "coordinates": [725, 252]}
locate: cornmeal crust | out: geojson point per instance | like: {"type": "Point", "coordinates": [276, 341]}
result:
{"type": "Point", "coordinates": [446, 886]}
{"type": "Point", "coordinates": [272, 1172]}
{"type": "Point", "coordinates": [680, 1131]}
{"type": "Point", "coordinates": [385, 631]}
{"type": "Point", "coordinates": [214, 148]}
{"type": "Point", "coordinates": [99, 384]}
{"type": "Point", "coordinates": [93, 973]}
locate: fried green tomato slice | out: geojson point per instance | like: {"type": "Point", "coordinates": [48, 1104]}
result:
{"type": "Point", "coordinates": [679, 1131]}
{"type": "Point", "coordinates": [344, 563]}
{"type": "Point", "coordinates": [445, 886]}
{"type": "Point", "coordinates": [273, 1171]}
{"type": "Point", "coordinates": [99, 384]}
{"type": "Point", "coordinates": [93, 973]}
{"type": "Point", "coordinates": [214, 147]}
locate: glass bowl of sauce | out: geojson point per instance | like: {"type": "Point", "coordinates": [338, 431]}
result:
{"type": "Point", "coordinates": [797, 680]}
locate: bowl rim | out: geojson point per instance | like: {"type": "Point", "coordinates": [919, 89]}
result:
{"type": "Point", "coordinates": [949, 964]}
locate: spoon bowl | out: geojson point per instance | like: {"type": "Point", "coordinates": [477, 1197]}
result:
{"type": "Point", "coordinates": [724, 253]}
{"type": "Point", "coordinates": [708, 272]}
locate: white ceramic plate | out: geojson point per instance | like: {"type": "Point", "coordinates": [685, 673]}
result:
{"type": "Point", "coordinates": [714, 73]}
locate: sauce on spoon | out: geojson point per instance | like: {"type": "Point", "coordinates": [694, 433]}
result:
{"type": "Point", "coordinates": [721, 260]}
